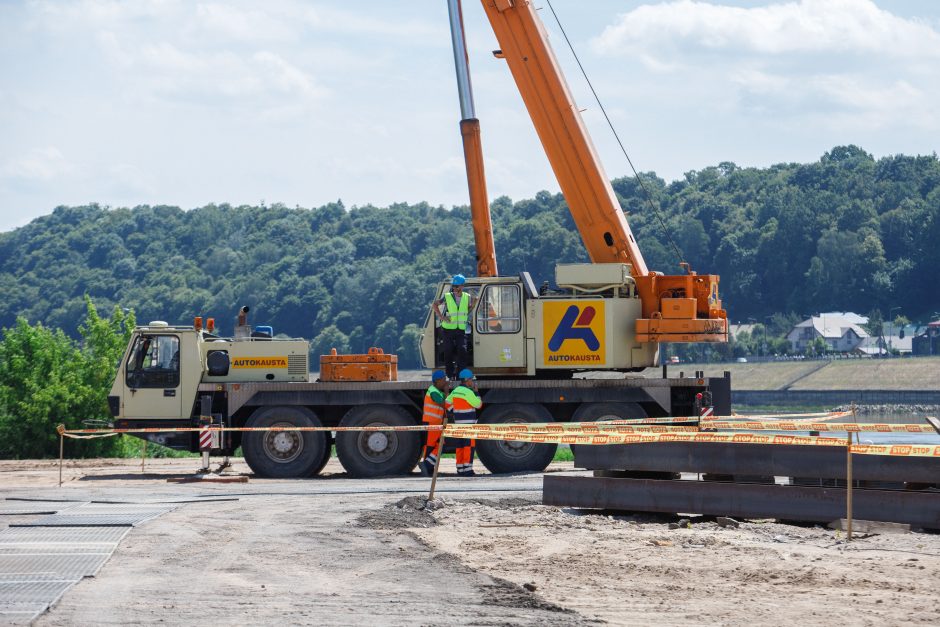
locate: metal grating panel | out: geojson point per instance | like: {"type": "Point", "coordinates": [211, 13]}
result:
{"type": "Point", "coordinates": [33, 591]}
{"type": "Point", "coordinates": [35, 577]}
{"type": "Point", "coordinates": [61, 520]}
{"type": "Point", "coordinates": [35, 548]}
{"type": "Point", "coordinates": [40, 559]}
{"type": "Point", "coordinates": [20, 613]}
{"type": "Point", "coordinates": [97, 509]}
{"type": "Point", "coordinates": [68, 535]}
{"type": "Point", "coordinates": [9, 507]}
{"type": "Point", "coordinates": [99, 515]}
{"type": "Point", "coordinates": [67, 566]}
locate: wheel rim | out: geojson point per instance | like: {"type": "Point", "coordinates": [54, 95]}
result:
{"type": "Point", "coordinates": [377, 446]}
{"type": "Point", "coordinates": [283, 446]}
{"type": "Point", "coordinates": [514, 448]}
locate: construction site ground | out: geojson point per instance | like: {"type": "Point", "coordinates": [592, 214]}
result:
{"type": "Point", "coordinates": [339, 551]}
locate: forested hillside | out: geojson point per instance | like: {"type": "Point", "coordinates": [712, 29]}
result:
{"type": "Point", "coordinates": [845, 233]}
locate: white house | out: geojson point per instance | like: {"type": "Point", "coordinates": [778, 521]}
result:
{"type": "Point", "coordinates": [842, 332]}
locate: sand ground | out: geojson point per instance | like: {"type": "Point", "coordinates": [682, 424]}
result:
{"type": "Point", "coordinates": [339, 551]}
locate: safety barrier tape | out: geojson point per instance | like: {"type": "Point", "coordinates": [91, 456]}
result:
{"type": "Point", "coordinates": [76, 432]}
{"type": "Point", "coordinates": [570, 427]}
{"type": "Point", "coordinates": [899, 450]}
{"type": "Point", "coordinates": [88, 437]}
{"type": "Point", "coordinates": [633, 421]}
{"type": "Point", "coordinates": [653, 421]}
{"type": "Point", "coordinates": [853, 427]}
{"type": "Point", "coordinates": [814, 417]}
{"type": "Point", "coordinates": [603, 433]}
{"type": "Point", "coordinates": [618, 427]}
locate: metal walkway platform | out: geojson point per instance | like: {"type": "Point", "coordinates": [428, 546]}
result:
{"type": "Point", "coordinates": [50, 546]}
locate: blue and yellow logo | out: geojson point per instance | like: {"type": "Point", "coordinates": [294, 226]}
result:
{"type": "Point", "coordinates": [573, 333]}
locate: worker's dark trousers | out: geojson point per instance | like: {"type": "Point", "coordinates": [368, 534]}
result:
{"type": "Point", "coordinates": [454, 351]}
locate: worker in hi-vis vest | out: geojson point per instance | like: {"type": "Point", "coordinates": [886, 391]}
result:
{"type": "Point", "coordinates": [433, 415]}
{"type": "Point", "coordinates": [453, 310]}
{"type": "Point", "coordinates": [463, 404]}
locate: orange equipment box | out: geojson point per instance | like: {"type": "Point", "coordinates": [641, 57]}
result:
{"type": "Point", "coordinates": [373, 366]}
{"type": "Point", "coordinates": [678, 308]}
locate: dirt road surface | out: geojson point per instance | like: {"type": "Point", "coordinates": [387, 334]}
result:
{"type": "Point", "coordinates": [338, 551]}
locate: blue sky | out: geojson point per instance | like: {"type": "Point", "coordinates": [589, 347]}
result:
{"type": "Point", "coordinates": [305, 102]}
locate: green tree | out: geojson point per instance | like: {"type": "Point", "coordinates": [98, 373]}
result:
{"type": "Point", "coordinates": [46, 379]}
{"type": "Point", "coordinates": [408, 347]}
{"type": "Point", "coordinates": [328, 339]}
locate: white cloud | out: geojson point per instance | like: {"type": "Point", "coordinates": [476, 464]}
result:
{"type": "Point", "coordinates": [233, 23]}
{"type": "Point", "coordinates": [127, 179]}
{"type": "Point", "coordinates": [286, 77]}
{"type": "Point", "coordinates": [330, 19]}
{"type": "Point", "coordinates": [807, 26]}
{"type": "Point", "coordinates": [847, 59]}
{"type": "Point", "coordinates": [39, 165]}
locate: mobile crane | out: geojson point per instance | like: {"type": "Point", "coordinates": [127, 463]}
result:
{"type": "Point", "coordinates": [612, 313]}
{"type": "Point", "coordinates": [609, 315]}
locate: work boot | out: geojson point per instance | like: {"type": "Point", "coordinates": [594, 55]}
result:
{"type": "Point", "coordinates": [426, 468]}
{"type": "Point", "coordinates": [467, 473]}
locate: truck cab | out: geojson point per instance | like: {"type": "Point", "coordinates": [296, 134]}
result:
{"type": "Point", "coordinates": [163, 366]}
{"type": "Point", "coordinates": [589, 323]}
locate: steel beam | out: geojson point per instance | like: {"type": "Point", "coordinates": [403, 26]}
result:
{"type": "Point", "coordinates": [756, 459]}
{"type": "Point", "coordinates": [742, 500]}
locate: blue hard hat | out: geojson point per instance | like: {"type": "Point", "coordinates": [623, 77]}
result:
{"type": "Point", "coordinates": [437, 375]}
{"type": "Point", "coordinates": [465, 374]}
{"type": "Point", "coordinates": [458, 279]}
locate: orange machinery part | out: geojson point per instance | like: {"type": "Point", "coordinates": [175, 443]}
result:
{"type": "Point", "coordinates": [586, 187]}
{"type": "Point", "coordinates": [373, 366]}
{"type": "Point", "coordinates": [479, 203]}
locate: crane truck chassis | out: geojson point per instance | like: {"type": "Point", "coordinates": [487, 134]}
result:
{"type": "Point", "coordinates": [254, 380]}
{"type": "Point", "coordinates": [607, 316]}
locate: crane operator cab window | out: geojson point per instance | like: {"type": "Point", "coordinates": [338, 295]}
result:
{"type": "Point", "coordinates": [500, 310]}
{"type": "Point", "coordinates": [154, 362]}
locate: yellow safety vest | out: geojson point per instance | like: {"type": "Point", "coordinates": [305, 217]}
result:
{"type": "Point", "coordinates": [457, 315]}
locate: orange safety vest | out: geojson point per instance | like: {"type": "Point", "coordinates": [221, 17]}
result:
{"type": "Point", "coordinates": [433, 410]}
{"type": "Point", "coordinates": [463, 400]}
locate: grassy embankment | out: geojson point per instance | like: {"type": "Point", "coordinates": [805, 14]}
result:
{"type": "Point", "coordinates": [922, 373]}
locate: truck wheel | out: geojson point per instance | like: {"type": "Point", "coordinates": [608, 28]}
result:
{"type": "Point", "coordinates": [284, 454]}
{"type": "Point", "coordinates": [378, 453]}
{"type": "Point", "coordinates": [604, 412]}
{"type": "Point", "coordinates": [501, 456]}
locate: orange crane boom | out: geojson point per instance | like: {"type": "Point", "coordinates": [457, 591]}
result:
{"type": "Point", "coordinates": [472, 149]}
{"type": "Point", "coordinates": [680, 308]}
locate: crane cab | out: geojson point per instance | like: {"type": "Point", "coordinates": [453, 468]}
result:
{"type": "Point", "coordinates": [588, 323]}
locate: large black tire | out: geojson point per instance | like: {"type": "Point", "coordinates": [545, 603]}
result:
{"type": "Point", "coordinates": [503, 456]}
{"type": "Point", "coordinates": [327, 452]}
{"type": "Point", "coordinates": [603, 412]}
{"type": "Point", "coordinates": [378, 453]}
{"type": "Point", "coordinates": [284, 454]}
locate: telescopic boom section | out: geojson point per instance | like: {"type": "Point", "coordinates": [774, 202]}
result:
{"type": "Point", "coordinates": [472, 149]}
{"type": "Point", "coordinates": [683, 308]}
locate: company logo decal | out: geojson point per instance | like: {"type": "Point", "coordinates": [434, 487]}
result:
{"type": "Point", "coordinates": [574, 333]}
{"type": "Point", "coordinates": [575, 325]}
{"type": "Point", "coordinates": [259, 362]}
